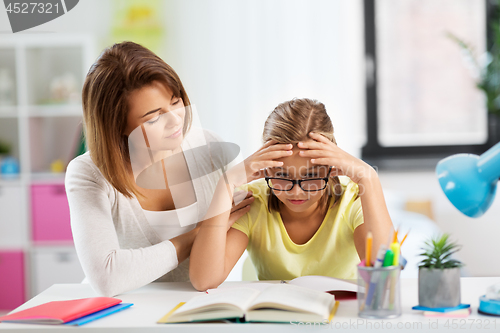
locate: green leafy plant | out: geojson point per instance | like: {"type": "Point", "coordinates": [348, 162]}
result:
{"type": "Point", "coordinates": [437, 253]}
{"type": "Point", "coordinates": [4, 148]}
{"type": "Point", "coordinates": [487, 70]}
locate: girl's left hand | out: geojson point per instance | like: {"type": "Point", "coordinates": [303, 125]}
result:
{"type": "Point", "coordinates": [324, 152]}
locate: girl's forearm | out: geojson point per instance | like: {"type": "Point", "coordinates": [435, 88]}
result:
{"type": "Point", "coordinates": [184, 243]}
{"type": "Point", "coordinates": [207, 263]}
{"type": "Point", "coordinates": [375, 213]}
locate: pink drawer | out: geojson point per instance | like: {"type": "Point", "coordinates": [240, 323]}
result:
{"type": "Point", "coordinates": [50, 213]}
{"type": "Point", "coordinates": [12, 292]}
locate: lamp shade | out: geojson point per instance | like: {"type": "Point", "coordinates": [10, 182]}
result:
{"type": "Point", "coordinates": [469, 181]}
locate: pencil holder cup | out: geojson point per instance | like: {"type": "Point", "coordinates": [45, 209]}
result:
{"type": "Point", "coordinates": [379, 294]}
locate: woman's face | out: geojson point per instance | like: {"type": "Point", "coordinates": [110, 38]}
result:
{"type": "Point", "coordinates": [298, 167]}
{"type": "Point", "coordinates": [158, 115]}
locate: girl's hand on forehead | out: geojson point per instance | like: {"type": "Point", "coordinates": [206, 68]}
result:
{"type": "Point", "coordinates": [255, 165]}
{"type": "Point", "coordinates": [322, 151]}
{"type": "Point", "coordinates": [266, 157]}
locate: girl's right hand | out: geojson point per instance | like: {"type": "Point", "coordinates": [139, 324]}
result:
{"type": "Point", "coordinates": [255, 164]}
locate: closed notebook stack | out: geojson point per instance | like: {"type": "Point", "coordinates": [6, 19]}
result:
{"type": "Point", "coordinates": [462, 313]}
{"type": "Point", "coordinates": [275, 303]}
{"type": "Point", "coordinates": [71, 312]}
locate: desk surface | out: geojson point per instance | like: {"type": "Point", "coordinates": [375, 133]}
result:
{"type": "Point", "coordinates": [156, 299]}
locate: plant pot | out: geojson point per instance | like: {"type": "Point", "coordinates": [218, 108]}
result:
{"type": "Point", "coordinates": [439, 288]}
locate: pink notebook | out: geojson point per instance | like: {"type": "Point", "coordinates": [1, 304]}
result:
{"type": "Point", "coordinates": [59, 312]}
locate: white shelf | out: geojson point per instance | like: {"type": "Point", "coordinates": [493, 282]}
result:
{"type": "Point", "coordinates": [47, 177]}
{"type": "Point", "coordinates": [51, 110]}
{"type": "Point", "coordinates": [33, 178]}
{"type": "Point", "coordinates": [11, 182]}
{"type": "Point", "coordinates": [9, 112]}
{"type": "Point", "coordinates": [55, 110]}
{"type": "Point", "coordinates": [40, 134]}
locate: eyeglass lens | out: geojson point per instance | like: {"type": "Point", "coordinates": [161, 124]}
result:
{"type": "Point", "coordinates": [306, 185]}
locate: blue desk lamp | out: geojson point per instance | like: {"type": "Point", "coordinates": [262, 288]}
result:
{"type": "Point", "coordinates": [470, 183]}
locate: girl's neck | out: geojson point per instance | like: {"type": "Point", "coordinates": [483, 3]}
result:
{"type": "Point", "coordinates": [313, 213]}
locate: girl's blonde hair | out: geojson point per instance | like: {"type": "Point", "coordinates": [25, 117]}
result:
{"type": "Point", "coordinates": [121, 69]}
{"type": "Point", "coordinates": [291, 122]}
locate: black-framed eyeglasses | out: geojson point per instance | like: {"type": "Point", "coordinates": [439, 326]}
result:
{"type": "Point", "coordinates": [307, 185]}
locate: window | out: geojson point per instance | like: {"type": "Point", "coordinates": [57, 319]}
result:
{"type": "Point", "coordinates": [421, 94]}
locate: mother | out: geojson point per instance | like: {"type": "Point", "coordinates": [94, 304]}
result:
{"type": "Point", "coordinates": [127, 235]}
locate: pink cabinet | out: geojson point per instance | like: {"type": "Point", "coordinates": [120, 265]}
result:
{"type": "Point", "coordinates": [50, 213]}
{"type": "Point", "coordinates": [12, 291]}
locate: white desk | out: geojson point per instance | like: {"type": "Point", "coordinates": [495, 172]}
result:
{"type": "Point", "coordinates": [155, 300]}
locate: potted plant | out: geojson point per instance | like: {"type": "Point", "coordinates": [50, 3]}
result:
{"type": "Point", "coordinates": [439, 274]}
{"type": "Point", "coordinates": [4, 149]}
{"type": "Point", "coordinates": [9, 166]}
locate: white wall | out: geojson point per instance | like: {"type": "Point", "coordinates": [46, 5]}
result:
{"type": "Point", "coordinates": [240, 59]}
{"type": "Point", "coordinates": [480, 238]}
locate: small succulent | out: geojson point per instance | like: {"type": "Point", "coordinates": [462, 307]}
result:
{"type": "Point", "coordinates": [438, 251]}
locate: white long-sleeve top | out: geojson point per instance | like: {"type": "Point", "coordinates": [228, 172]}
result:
{"type": "Point", "coordinates": [118, 249]}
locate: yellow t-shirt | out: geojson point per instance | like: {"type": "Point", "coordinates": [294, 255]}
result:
{"type": "Point", "coordinates": [330, 251]}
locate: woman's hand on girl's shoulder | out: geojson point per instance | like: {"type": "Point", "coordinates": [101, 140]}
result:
{"type": "Point", "coordinates": [324, 152]}
{"type": "Point", "coordinates": [253, 167]}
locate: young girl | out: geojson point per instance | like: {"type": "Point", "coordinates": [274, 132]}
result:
{"type": "Point", "coordinates": [128, 234]}
{"type": "Point", "coordinates": [304, 219]}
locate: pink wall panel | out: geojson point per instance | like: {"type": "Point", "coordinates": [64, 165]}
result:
{"type": "Point", "coordinates": [12, 292]}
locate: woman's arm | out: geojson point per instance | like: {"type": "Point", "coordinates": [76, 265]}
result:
{"type": "Point", "coordinates": [110, 269]}
{"type": "Point", "coordinates": [216, 250]}
{"type": "Point", "coordinates": [375, 213]}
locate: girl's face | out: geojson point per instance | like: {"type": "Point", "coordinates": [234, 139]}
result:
{"type": "Point", "coordinates": [298, 167]}
{"type": "Point", "coordinates": [157, 116]}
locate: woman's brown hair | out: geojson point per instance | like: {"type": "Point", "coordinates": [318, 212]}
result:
{"type": "Point", "coordinates": [291, 122]}
{"type": "Point", "coordinates": [119, 70]}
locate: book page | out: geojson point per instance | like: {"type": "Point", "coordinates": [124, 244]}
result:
{"type": "Point", "coordinates": [239, 298]}
{"type": "Point", "coordinates": [324, 283]}
{"type": "Point", "coordinates": [294, 298]}
{"type": "Point", "coordinates": [253, 285]}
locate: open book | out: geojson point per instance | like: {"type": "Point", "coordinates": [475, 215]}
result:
{"type": "Point", "coordinates": [341, 289]}
{"type": "Point", "coordinates": [275, 303]}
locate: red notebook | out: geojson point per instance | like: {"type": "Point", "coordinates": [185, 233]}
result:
{"type": "Point", "coordinates": [59, 312]}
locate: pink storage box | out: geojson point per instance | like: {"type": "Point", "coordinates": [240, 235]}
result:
{"type": "Point", "coordinates": [12, 292]}
{"type": "Point", "coordinates": [50, 213]}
